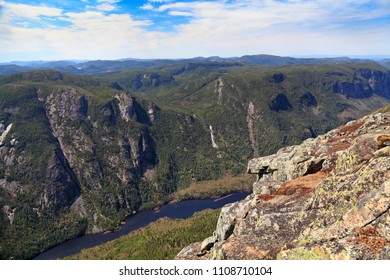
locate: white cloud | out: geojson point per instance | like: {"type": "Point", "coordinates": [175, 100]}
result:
{"type": "Point", "coordinates": [90, 35]}
{"type": "Point", "coordinates": [147, 7]}
{"type": "Point", "coordinates": [29, 12]}
{"type": "Point", "coordinates": [179, 13]}
{"type": "Point", "coordinates": [225, 28]}
{"type": "Point", "coordinates": [106, 7]}
{"type": "Point", "coordinates": [284, 28]}
{"type": "Point", "coordinates": [109, 1]}
{"type": "Point", "coordinates": [150, 4]}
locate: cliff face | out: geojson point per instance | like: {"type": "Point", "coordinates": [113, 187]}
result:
{"type": "Point", "coordinates": [70, 165]}
{"type": "Point", "coordinates": [328, 198]}
{"type": "Point", "coordinates": [373, 81]}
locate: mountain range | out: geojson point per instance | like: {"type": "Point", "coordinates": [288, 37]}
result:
{"type": "Point", "coordinates": [107, 66]}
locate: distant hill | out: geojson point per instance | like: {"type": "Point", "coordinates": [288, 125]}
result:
{"type": "Point", "coordinates": [13, 68]}
{"type": "Point", "coordinates": [385, 62]}
{"type": "Point", "coordinates": [107, 66]}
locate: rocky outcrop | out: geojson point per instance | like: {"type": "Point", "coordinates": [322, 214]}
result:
{"type": "Point", "coordinates": [62, 187]}
{"type": "Point", "coordinates": [4, 133]}
{"type": "Point", "coordinates": [328, 198]}
{"type": "Point", "coordinates": [66, 110]}
{"type": "Point", "coordinates": [143, 152]}
{"type": "Point", "coordinates": [126, 106]}
{"type": "Point", "coordinates": [130, 109]}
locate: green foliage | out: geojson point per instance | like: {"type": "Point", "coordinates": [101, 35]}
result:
{"type": "Point", "coordinates": [161, 240]}
{"type": "Point", "coordinates": [29, 235]}
{"type": "Point", "coordinates": [215, 188]}
{"type": "Point", "coordinates": [50, 76]}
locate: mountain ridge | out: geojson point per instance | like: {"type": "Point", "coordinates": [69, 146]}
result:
{"type": "Point", "coordinates": [107, 66]}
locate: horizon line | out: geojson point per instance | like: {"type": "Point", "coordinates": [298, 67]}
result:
{"type": "Point", "coordinates": [318, 56]}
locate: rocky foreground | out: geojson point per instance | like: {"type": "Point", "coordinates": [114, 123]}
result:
{"type": "Point", "coordinates": [328, 198]}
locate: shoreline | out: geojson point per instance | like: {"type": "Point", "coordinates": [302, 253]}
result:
{"type": "Point", "coordinates": [179, 210]}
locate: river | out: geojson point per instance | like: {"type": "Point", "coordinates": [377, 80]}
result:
{"type": "Point", "coordinates": [177, 210]}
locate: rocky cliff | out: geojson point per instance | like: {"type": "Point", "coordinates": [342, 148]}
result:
{"type": "Point", "coordinates": [71, 164]}
{"type": "Point", "coordinates": [327, 198]}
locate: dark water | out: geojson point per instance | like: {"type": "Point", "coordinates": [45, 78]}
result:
{"type": "Point", "coordinates": [182, 209]}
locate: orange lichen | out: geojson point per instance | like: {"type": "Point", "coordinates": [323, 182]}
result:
{"type": "Point", "coordinates": [338, 147]}
{"type": "Point", "coordinates": [369, 238]}
{"type": "Point", "coordinates": [303, 184]}
{"type": "Point", "coordinates": [383, 140]}
{"type": "Point", "coordinates": [265, 197]}
{"type": "Point", "coordinates": [335, 144]}
{"type": "Point", "coordinates": [351, 128]}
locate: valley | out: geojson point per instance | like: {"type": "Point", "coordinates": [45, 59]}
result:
{"type": "Point", "coordinates": [79, 153]}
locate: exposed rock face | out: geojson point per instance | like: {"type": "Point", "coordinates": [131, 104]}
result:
{"type": "Point", "coordinates": [374, 81]}
{"type": "Point", "coordinates": [125, 106]}
{"type": "Point", "coordinates": [130, 109]}
{"type": "Point", "coordinates": [249, 121]}
{"type": "Point", "coordinates": [4, 133]}
{"type": "Point", "coordinates": [218, 90]}
{"type": "Point", "coordinates": [66, 107]}
{"type": "Point", "coordinates": [213, 144]}
{"type": "Point", "coordinates": [352, 90]}
{"type": "Point", "coordinates": [77, 165]}
{"type": "Point", "coordinates": [328, 198]}
{"type": "Point", "coordinates": [62, 187]}
{"type": "Point", "coordinates": [378, 81]}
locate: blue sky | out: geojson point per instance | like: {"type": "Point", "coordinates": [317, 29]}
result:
{"type": "Point", "coordinates": [113, 29]}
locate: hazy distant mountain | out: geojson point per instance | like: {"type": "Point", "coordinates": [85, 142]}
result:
{"type": "Point", "coordinates": [107, 66]}
{"type": "Point", "coordinates": [13, 68]}
{"type": "Point", "coordinates": [385, 62]}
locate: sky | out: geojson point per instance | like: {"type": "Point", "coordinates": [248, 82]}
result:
{"type": "Point", "coordinates": [115, 29]}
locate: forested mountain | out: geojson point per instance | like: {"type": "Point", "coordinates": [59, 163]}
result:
{"type": "Point", "coordinates": [109, 66]}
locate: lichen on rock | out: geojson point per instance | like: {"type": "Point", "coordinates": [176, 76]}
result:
{"type": "Point", "coordinates": [328, 199]}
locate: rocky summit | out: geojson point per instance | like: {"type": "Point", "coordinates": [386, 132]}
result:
{"type": "Point", "coordinates": [327, 198]}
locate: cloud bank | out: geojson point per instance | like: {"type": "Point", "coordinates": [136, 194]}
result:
{"type": "Point", "coordinates": [108, 29]}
